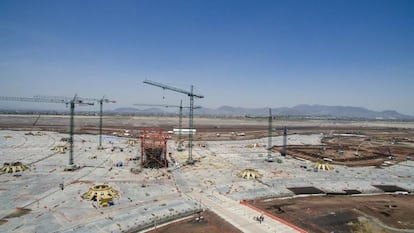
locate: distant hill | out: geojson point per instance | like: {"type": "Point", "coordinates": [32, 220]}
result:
{"type": "Point", "coordinates": [349, 112]}
{"type": "Point", "coordinates": [147, 111]}
{"type": "Point", "coordinates": [299, 111]}
{"type": "Point", "coordinates": [302, 111]}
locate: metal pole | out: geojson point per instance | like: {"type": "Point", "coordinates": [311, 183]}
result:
{"type": "Point", "coordinates": [180, 125]}
{"type": "Point", "coordinates": [72, 113]}
{"type": "Point", "coordinates": [100, 125]}
{"type": "Point", "coordinates": [269, 142]}
{"type": "Point", "coordinates": [190, 135]}
{"type": "Point", "coordinates": [284, 152]}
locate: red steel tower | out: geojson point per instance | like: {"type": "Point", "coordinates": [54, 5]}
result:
{"type": "Point", "coordinates": [154, 149]}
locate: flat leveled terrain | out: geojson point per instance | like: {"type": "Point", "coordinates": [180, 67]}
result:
{"type": "Point", "coordinates": [155, 197]}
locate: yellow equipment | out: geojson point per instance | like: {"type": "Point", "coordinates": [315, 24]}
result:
{"type": "Point", "coordinates": [103, 193]}
{"type": "Point", "coordinates": [249, 174]}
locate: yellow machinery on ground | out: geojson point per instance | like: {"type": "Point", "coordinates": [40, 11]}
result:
{"type": "Point", "coordinates": [61, 148]}
{"type": "Point", "coordinates": [14, 167]}
{"type": "Point", "coordinates": [131, 142]}
{"type": "Point", "coordinates": [323, 166]}
{"type": "Point", "coordinates": [102, 193]}
{"type": "Point", "coordinates": [249, 174]}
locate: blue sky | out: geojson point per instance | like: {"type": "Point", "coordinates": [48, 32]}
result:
{"type": "Point", "coordinates": [238, 53]}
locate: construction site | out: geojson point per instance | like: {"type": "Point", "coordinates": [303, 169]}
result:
{"type": "Point", "coordinates": [133, 175]}
{"type": "Point", "coordinates": [157, 174]}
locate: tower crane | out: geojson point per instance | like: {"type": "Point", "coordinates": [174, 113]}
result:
{"type": "Point", "coordinates": [191, 95]}
{"type": "Point", "coordinates": [180, 122]}
{"type": "Point", "coordinates": [269, 138]}
{"type": "Point", "coordinates": [71, 101]}
{"type": "Point", "coordinates": [100, 101]}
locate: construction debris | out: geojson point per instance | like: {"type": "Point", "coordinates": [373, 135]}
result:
{"type": "Point", "coordinates": [60, 148]}
{"type": "Point", "coordinates": [131, 142]}
{"type": "Point", "coordinates": [34, 134]}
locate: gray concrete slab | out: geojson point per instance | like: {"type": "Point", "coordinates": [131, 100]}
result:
{"type": "Point", "coordinates": [160, 195]}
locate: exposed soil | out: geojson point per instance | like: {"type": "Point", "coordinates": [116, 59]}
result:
{"type": "Point", "coordinates": [18, 212]}
{"type": "Point", "coordinates": [324, 214]}
{"type": "Point", "coordinates": [366, 149]}
{"type": "Point", "coordinates": [211, 223]}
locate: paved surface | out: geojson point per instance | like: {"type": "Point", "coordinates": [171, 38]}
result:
{"type": "Point", "coordinates": [145, 199]}
{"type": "Point", "coordinates": [239, 215]}
{"type": "Point", "coordinates": [148, 198]}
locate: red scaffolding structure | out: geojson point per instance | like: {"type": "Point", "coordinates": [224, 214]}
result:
{"type": "Point", "coordinates": [154, 149]}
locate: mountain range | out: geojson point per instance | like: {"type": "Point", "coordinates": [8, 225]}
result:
{"type": "Point", "coordinates": [299, 111]}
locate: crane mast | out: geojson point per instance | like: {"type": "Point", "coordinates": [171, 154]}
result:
{"type": "Point", "coordinates": [284, 152]}
{"type": "Point", "coordinates": [71, 165]}
{"type": "Point", "coordinates": [57, 99]}
{"type": "Point", "coordinates": [269, 138]}
{"type": "Point", "coordinates": [180, 126]}
{"type": "Point", "coordinates": [191, 95]}
{"type": "Point", "coordinates": [101, 101]}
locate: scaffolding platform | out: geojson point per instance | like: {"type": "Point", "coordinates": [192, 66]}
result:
{"type": "Point", "coordinates": [154, 149]}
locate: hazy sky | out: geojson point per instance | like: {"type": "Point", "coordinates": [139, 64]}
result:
{"type": "Point", "coordinates": [239, 53]}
